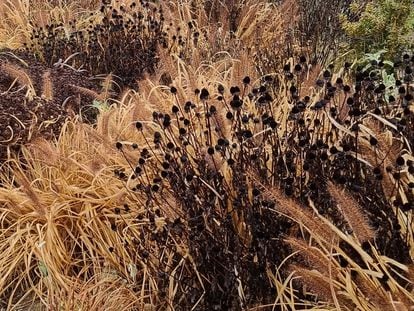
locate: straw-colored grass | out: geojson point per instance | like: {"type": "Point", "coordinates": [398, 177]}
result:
{"type": "Point", "coordinates": [18, 17]}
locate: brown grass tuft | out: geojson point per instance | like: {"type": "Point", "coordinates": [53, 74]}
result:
{"type": "Point", "coordinates": [30, 192]}
{"type": "Point", "coordinates": [313, 281]}
{"type": "Point", "coordinates": [17, 73]}
{"type": "Point", "coordinates": [352, 213]}
{"type": "Point", "coordinates": [374, 294]}
{"type": "Point", "coordinates": [88, 92]}
{"type": "Point", "coordinates": [47, 87]}
{"type": "Point", "coordinates": [44, 151]}
{"type": "Point", "coordinates": [298, 213]}
{"type": "Point", "coordinates": [314, 257]}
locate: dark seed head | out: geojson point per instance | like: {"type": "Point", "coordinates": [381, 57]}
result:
{"type": "Point", "coordinates": [246, 80]}
{"type": "Point", "coordinates": [373, 141]}
{"type": "Point", "coordinates": [400, 161]}
{"type": "Point", "coordinates": [175, 109]}
{"type": "Point", "coordinates": [406, 207]}
{"type": "Point", "coordinates": [377, 170]}
{"type": "Point", "coordinates": [234, 90]}
{"type": "Point", "coordinates": [189, 177]}
{"type": "Point", "coordinates": [204, 94]}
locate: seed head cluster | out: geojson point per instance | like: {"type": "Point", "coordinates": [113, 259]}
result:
{"type": "Point", "coordinates": [214, 152]}
{"type": "Point", "coordinates": [120, 39]}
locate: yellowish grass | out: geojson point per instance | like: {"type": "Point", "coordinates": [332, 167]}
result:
{"type": "Point", "coordinates": [57, 220]}
{"type": "Point", "coordinates": [18, 17]}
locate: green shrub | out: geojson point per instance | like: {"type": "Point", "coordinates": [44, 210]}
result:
{"type": "Point", "coordinates": [380, 24]}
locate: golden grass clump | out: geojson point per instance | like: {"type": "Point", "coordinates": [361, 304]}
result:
{"type": "Point", "coordinates": [59, 224]}
{"type": "Point", "coordinates": [332, 275]}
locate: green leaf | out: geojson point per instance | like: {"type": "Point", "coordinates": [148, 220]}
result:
{"type": "Point", "coordinates": [43, 269]}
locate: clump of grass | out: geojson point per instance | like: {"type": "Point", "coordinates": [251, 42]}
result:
{"type": "Point", "coordinates": [200, 31]}
{"type": "Point", "coordinates": [44, 242]}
